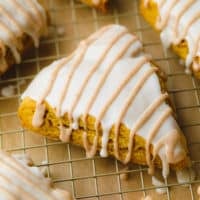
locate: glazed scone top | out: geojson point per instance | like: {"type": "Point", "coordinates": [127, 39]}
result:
{"type": "Point", "coordinates": [20, 17]}
{"type": "Point", "coordinates": [19, 179]}
{"type": "Point", "coordinates": [180, 20]}
{"type": "Point", "coordinates": [109, 77]}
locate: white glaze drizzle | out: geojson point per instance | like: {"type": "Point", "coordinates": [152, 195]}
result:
{"type": "Point", "coordinates": [90, 103]}
{"type": "Point", "coordinates": [66, 132]}
{"type": "Point", "coordinates": [154, 131]}
{"type": "Point", "coordinates": [38, 116]}
{"type": "Point", "coordinates": [124, 109]}
{"type": "Point", "coordinates": [135, 70]}
{"type": "Point", "coordinates": [18, 178]}
{"type": "Point", "coordinates": [162, 19]}
{"type": "Point", "coordinates": [156, 182]}
{"type": "Point", "coordinates": [83, 47]}
{"type": "Point", "coordinates": [97, 65]}
{"type": "Point", "coordinates": [91, 151]}
{"type": "Point", "coordinates": [180, 20]}
{"type": "Point", "coordinates": [30, 18]}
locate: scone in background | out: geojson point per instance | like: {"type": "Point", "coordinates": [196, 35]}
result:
{"type": "Point", "coordinates": [67, 165]}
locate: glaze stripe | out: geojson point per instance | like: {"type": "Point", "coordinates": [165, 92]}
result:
{"type": "Point", "coordinates": [141, 119]}
{"type": "Point", "coordinates": [10, 18]}
{"type": "Point", "coordinates": [66, 134]}
{"type": "Point", "coordinates": [129, 100]}
{"type": "Point", "coordinates": [19, 173]}
{"type": "Point", "coordinates": [40, 109]}
{"type": "Point", "coordinates": [109, 68]}
{"type": "Point", "coordinates": [185, 6]}
{"type": "Point", "coordinates": [162, 21]}
{"type": "Point", "coordinates": [96, 91]}
{"type": "Point", "coordinates": [32, 22]}
{"type": "Point", "coordinates": [25, 180]}
{"type": "Point", "coordinates": [166, 113]}
{"type": "Point", "coordinates": [6, 181]}
{"type": "Point", "coordinates": [84, 45]}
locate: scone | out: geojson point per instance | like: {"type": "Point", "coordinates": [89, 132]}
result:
{"type": "Point", "coordinates": [19, 179]}
{"type": "Point", "coordinates": [179, 23]}
{"type": "Point", "coordinates": [22, 23]}
{"type": "Point", "coordinates": [99, 4]}
{"type": "Point", "coordinates": [107, 96]}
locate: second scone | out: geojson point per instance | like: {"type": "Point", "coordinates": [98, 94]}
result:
{"type": "Point", "coordinates": [22, 23]}
{"type": "Point", "coordinates": [179, 24]}
{"type": "Point", "coordinates": [107, 96]}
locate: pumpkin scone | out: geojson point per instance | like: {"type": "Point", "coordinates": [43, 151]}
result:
{"type": "Point", "coordinates": [108, 97]}
{"type": "Point", "coordinates": [179, 24]}
{"type": "Point", "coordinates": [20, 179]}
{"type": "Point", "coordinates": [99, 4]}
{"type": "Point", "coordinates": [22, 23]}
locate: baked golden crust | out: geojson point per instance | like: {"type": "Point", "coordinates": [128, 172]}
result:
{"type": "Point", "coordinates": [150, 13]}
{"type": "Point", "coordinates": [50, 129]}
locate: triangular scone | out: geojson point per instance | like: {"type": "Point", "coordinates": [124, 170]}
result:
{"type": "Point", "coordinates": [107, 96]}
{"type": "Point", "coordinates": [179, 23]}
{"type": "Point", "coordinates": [22, 23]}
{"type": "Point", "coordinates": [20, 179]}
{"type": "Point", "coordinates": [99, 4]}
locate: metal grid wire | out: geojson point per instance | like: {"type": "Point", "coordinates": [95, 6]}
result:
{"type": "Point", "coordinates": [98, 178]}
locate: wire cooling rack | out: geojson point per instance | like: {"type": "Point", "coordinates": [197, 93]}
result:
{"type": "Point", "coordinates": [98, 178]}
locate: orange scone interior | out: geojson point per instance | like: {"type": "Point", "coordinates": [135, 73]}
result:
{"type": "Point", "coordinates": [19, 30]}
{"type": "Point", "coordinates": [179, 23]}
{"type": "Point", "coordinates": [107, 96]}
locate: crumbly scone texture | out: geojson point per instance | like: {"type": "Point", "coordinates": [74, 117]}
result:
{"type": "Point", "coordinates": [100, 5]}
{"type": "Point", "coordinates": [150, 13]}
{"type": "Point", "coordinates": [50, 129]}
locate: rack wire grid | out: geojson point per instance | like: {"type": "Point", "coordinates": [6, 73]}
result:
{"type": "Point", "coordinates": [98, 178]}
